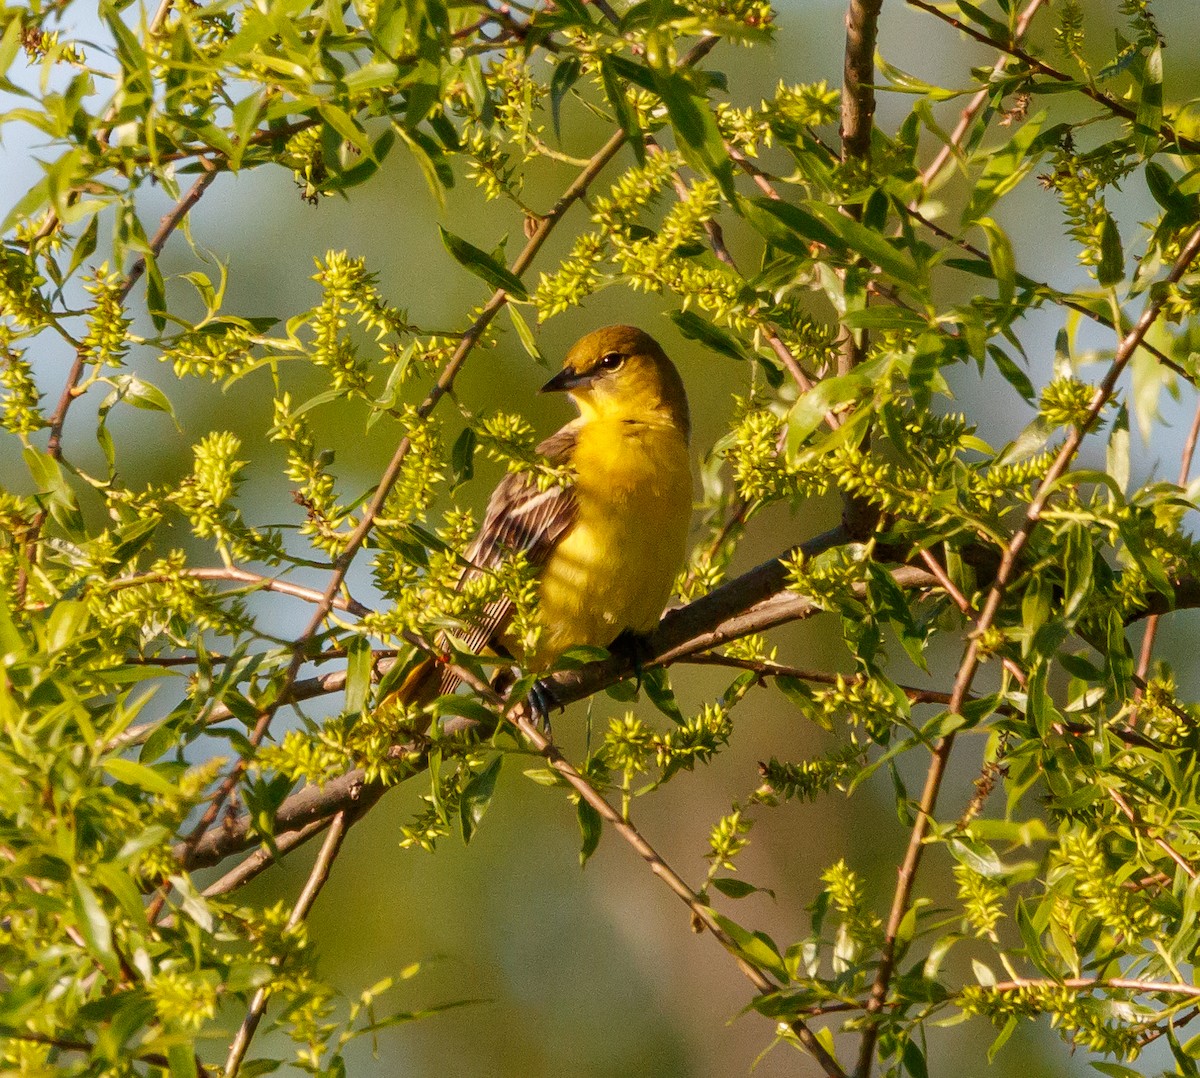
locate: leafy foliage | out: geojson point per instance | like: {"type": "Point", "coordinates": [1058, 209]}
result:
{"type": "Point", "coordinates": [145, 697]}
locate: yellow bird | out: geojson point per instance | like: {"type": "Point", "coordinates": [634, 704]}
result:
{"type": "Point", "coordinates": [607, 545]}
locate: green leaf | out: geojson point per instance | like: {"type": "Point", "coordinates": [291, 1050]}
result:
{"type": "Point", "coordinates": [1000, 253]}
{"type": "Point", "coordinates": [614, 91]}
{"type": "Point", "coordinates": [366, 164]}
{"type": "Point", "coordinates": [731, 887]}
{"type": "Point", "coordinates": [757, 948]}
{"type": "Point", "coordinates": [462, 458]}
{"type": "Point", "coordinates": [1183, 1060]}
{"type": "Point", "coordinates": [483, 265]}
{"type": "Point", "coordinates": [359, 663]}
{"type": "Point", "coordinates": [525, 335]}
{"type": "Point", "coordinates": [1004, 167]}
{"type": "Point", "coordinates": [810, 408]}
{"type": "Point", "coordinates": [135, 60]}
{"type": "Point", "coordinates": [182, 1060]}
{"type": "Point", "coordinates": [885, 318]}
{"type": "Point", "coordinates": [1009, 1029]}
{"type": "Point", "coordinates": [145, 778]}
{"type": "Point", "coordinates": [590, 827]}
{"type": "Point", "coordinates": [866, 242]}
{"type": "Point", "coordinates": [657, 684]}
{"type": "Point", "coordinates": [464, 707]}
{"type": "Point", "coordinates": [1077, 571]}
{"type": "Point", "coordinates": [145, 395]}
{"type": "Point", "coordinates": [697, 328]}
{"type": "Point", "coordinates": [85, 246]}
{"type": "Point", "coordinates": [93, 922]}
{"type": "Point", "coordinates": [1150, 105]}
{"type": "Point", "coordinates": [800, 229]}
{"type": "Point", "coordinates": [477, 796]}
{"type": "Point", "coordinates": [1165, 192]}
{"type": "Point", "coordinates": [1115, 1070]}
{"type": "Point", "coordinates": [566, 74]}
{"type": "Point", "coordinates": [52, 484]}
{"type": "Point", "coordinates": [914, 1060]}
{"type": "Point", "coordinates": [10, 44]}
{"type": "Point", "coordinates": [994, 27]}
{"type": "Point", "coordinates": [904, 83]}
{"type": "Point", "coordinates": [1112, 255]}
{"type": "Point", "coordinates": [1011, 373]}
{"type": "Point", "coordinates": [696, 129]}
{"type": "Point", "coordinates": [434, 167]}
{"type": "Point", "coordinates": [1031, 936]}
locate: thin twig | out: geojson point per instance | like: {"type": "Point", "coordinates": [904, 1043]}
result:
{"type": "Point", "coordinates": [857, 121]}
{"type": "Point", "coordinates": [245, 576]}
{"type": "Point", "coordinates": [167, 225]}
{"type": "Point", "coordinates": [70, 389]}
{"type": "Point", "coordinates": [1165, 131]}
{"type": "Point", "coordinates": [1128, 984]}
{"type": "Point", "coordinates": [1158, 840]}
{"type": "Point", "coordinates": [1185, 468]}
{"type": "Point", "coordinates": [716, 239]}
{"type": "Point", "coordinates": [754, 602]}
{"type": "Point", "coordinates": [1042, 288]}
{"type": "Point", "coordinates": [767, 669]}
{"type": "Point", "coordinates": [520, 716]}
{"type": "Point", "coordinates": [263, 858]}
{"type": "Point", "coordinates": [317, 879]}
{"type": "Point", "coordinates": [701, 913]}
{"type": "Point", "coordinates": [930, 173]}
{"type": "Point", "coordinates": [964, 605]}
{"type": "Point", "coordinates": [306, 689]}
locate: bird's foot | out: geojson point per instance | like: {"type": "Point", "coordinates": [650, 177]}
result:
{"type": "Point", "coordinates": [541, 702]}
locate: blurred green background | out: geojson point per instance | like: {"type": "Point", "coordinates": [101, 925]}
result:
{"type": "Point", "coordinates": [593, 973]}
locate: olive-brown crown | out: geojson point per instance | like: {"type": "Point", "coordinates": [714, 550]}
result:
{"type": "Point", "coordinates": [622, 372]}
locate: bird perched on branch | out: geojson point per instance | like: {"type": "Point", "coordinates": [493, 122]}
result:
{"type": "Point", "coordinates": [607, 545]}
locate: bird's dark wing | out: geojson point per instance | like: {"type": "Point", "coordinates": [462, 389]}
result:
{"type": "Point", "coordinates": [520, 518]}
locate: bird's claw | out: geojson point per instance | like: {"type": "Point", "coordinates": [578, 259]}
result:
{"type": "Point", "coordinates": [542, 701]}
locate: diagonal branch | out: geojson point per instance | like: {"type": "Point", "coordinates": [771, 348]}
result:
{"type": "Point", "coordinates": [679, 636]}
{"type": "Point", "coordinates": [1185, 468]}
{"type": "Point", "coordinates": [701, 913]}
{"type": "Point", "coordinates": [934, 168]}
{"type": "Point", "coordinates": [171, 221]}
{"type": "Point", "coordinates": [317, 879]}
{"type": "Point", "coordinates": [70, 390]}
{"type": "Point", "coordinates": [1165, 131]}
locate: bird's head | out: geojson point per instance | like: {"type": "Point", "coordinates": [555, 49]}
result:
{"type": "Point", "coordinates": [619, 372]}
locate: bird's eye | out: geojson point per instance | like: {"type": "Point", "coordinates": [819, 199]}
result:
{"type": "Point", "coordinates": [611, 361]}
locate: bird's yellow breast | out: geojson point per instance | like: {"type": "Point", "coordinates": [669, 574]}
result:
{"type": "Point", "coordinates": [614, 568]}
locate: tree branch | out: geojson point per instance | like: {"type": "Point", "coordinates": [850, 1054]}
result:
{"type": "Point", "coordinates": [317, 879]}
{"type": "Point", "coordinates": [930, 173]}
{"type": "Point", "coordinates": [1185, 468]}
{"type": "Point", "coordinates": [257, 582]}
{"type": "Point", "coordinates": [858, 119]}
{"type": "Point", "coordinates": [1165, 131]}
{"type": "Point", "coordinates": [1129, 984]}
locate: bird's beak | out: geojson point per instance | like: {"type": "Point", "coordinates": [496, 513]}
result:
{"type": "Point", "coordinates": [566, 379]}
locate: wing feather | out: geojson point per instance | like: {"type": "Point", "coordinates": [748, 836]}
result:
{"type": "Point", "coordinates": [520, 518]}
